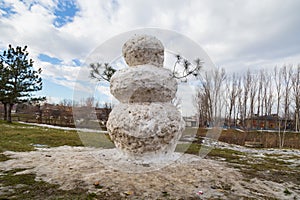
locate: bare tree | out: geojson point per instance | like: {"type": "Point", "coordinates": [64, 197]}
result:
{"type": "Point", "coordinates": [278, 87]}
{"type": "Point", "coordinates": [209, 95]}
{"type": "Point", "coordinates": [287, 79]}
{"type": "Point", "coordinates": [89, 102]}
{"type": "Point", "coordinates": [239, 110]}
{"type": "Point", "coordinates": [66, 102]}
{"type": "Point", "coordinates": [231, 93]}
{"type": "Point", "coordinates": [267, 95]}
{"type": "Point", "coordinates": [296, 96]}
{"type": "Point", "coordinates": [252, 97]}
{"type": "Point", "coordinates": [246, 90]}
{"type": "Point", "coordinates": [219, 76]}
{"type": "Point", "coordinates": [260, 95]}
{"type": "Point", "coordinates": [202, 105]}
{"type": "Point", "coordinates": [204, 100]}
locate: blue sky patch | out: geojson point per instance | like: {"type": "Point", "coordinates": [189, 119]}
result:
{"type": "Point", "coordinates": [52, 60]}
{"type": "Point", "coordinates": [6, 10]}
{"type": "Point", "coordinates": [76, 62]}
{"type": "Point", "coordinates": [65, 12]}
{"type": "Point", "coordinates": [55, 90]}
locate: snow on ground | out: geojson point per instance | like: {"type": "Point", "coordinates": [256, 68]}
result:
{"type": "Point", "coordinates": [218, 144]}
{"type": "Point", "coordinates": [65, 128]}
{"type": "Point", "coordinates": [180, 176]}
{"type": "Point", "coordinates": [290, 156]}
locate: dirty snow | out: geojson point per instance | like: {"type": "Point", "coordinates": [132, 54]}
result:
{"type": "Point", "coordinates": [218, 144]}
{"type": "Point", "coordinates": [180, 176]}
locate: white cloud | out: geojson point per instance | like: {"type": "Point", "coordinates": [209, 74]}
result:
{"type": "Point", "coordinates": [53, 100]}
{"type": "Point", "coordinates": [236, 34]}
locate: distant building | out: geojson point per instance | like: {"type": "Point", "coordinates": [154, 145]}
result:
{"type": "Point", "coordinates": [270, 122]}
{"type": "Point", "coordinates": [191, 121]}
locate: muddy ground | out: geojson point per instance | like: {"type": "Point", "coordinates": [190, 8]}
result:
{"type": "Point", "coordinates": [245, 174]}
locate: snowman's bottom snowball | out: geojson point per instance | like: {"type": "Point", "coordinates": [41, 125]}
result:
{"type": "Point", "coordinates": [145, 130]}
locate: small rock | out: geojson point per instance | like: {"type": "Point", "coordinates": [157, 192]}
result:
{"type": "Point", "coordinates": [128, 193]}
{"type": "Point", "coordinates": [97, 185]}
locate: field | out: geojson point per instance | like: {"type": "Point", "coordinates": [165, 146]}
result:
{"type": "Point", "coordinates": [269, 165]}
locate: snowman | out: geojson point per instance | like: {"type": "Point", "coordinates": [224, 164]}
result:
{"type": "Point", "coordinates": [145, 124]}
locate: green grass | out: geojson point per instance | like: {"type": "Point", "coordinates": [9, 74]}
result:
{"type": "Point", "coordinates": [228, 154]}
{"type": "Point", "coordinates": [24, 186]}
{"type": "Point", "coordinates": [191, 148]}
{"type": "Point", "coordinates": [196, 148]}
{"type": "Point", "coordinates": [21, 137]}
{"type": "Point", "coordinates": [97, 140]}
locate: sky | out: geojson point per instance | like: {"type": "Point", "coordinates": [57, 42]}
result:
{"type": "Point", "coordinates": [62, 34]}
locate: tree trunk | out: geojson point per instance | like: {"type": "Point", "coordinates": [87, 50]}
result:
{"type": "Point", "coordinates": [9, 113]}
{"type": "Point", "coordinates": [5, 111]}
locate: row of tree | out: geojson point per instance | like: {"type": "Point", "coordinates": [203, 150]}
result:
{"type": "Point", "coordinates": [237, 97]}
{"type": "Point", "coordinates": [87, 109]}
{"type": "Point", "coordinates": [18, 79]}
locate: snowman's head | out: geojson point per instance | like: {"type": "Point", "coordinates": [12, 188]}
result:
{"type": "Point", "coordinates": [143, 49]}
